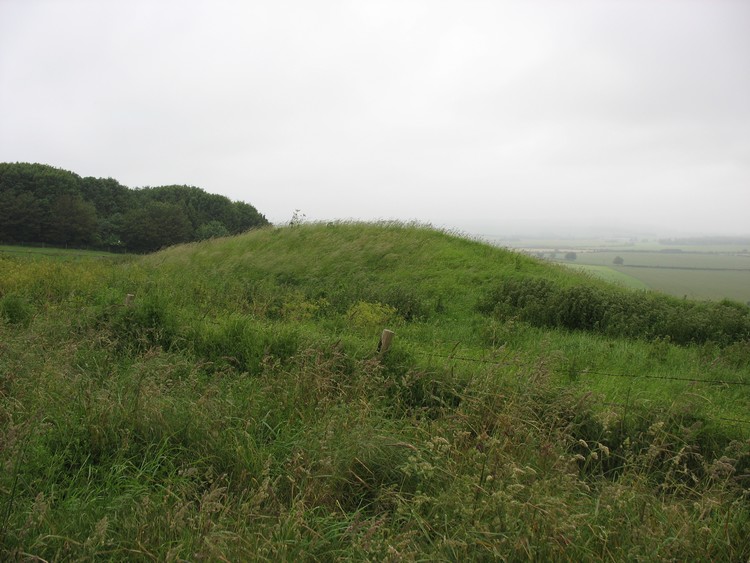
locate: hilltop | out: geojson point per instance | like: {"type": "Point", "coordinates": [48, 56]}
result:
{"type": "Point", "coordinates": [235, 406]}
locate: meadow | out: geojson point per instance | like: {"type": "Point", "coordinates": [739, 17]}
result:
{"type": "Point", "coordinates": [50, 251]}
{"type": "Point", "coordinates": [236, 406]}
{"type": "Point", "coordinates": [609, 274]}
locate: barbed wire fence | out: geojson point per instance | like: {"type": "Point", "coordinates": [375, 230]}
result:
{"type": "Point", "coordinates": [719, 383]}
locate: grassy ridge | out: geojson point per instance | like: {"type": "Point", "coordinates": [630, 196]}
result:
{"type": "Point", "coordinates": [238, 410]}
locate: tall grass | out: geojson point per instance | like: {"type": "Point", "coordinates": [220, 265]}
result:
{"type": "Point", "coordinates": [237, 410]}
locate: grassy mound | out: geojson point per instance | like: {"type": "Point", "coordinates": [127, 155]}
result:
{"type": "Point", "coordinates": [237, 408]}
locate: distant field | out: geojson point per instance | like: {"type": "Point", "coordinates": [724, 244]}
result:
{"type": "Point", "coordinates": [695, 275]}
{"type": "Point", "coordinates": [612, 275]}
{"type": "Point", "coordinates": [696, 284]}
{"type": "Point", "coordinates": [60, 252]}
{"type": "Point", "coordinates": [715, 271]}
{"type": "Point", "coordinates": [691, 260]}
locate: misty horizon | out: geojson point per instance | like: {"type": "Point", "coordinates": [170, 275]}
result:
{"type": "Point", "coordinates": [510, 118]}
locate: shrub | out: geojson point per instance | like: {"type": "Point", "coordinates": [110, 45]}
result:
{"type": "Point", "coordinates": [370, 316]}
{"type": "Point", "coordinates": [296, 307]}
{"type": "Point", "coordinates": [406, 302]}
{"type": "Point", "coordinates": [617, 313]}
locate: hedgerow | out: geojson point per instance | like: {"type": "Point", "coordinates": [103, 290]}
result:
{"type": "Point", "coordinates": [614, 312]}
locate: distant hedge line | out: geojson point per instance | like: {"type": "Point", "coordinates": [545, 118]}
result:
{"type": "Point", "coordinates": [614, 312]}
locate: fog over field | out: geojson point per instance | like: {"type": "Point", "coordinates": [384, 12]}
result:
{"type": "Point", "coordinates": [488, 117]}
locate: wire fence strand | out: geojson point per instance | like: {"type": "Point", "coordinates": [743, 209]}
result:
{"type": "Point", "coordinates": [666, 378]}
{"type": "Point", "coordinates": [603, 373]}
{"type": "Point", "coordinates": [621, 375]}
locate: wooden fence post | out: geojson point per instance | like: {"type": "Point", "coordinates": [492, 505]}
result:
{"type": "Point", "coordinates": [385, 342]}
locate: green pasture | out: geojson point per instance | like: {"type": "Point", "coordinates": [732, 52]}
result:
{"type": "Point", "coordinates": [226, 401]}
{"type": "Point", "coordinates": [610, 274]}
{"type": "Point", "coordinates": [697, 276]}
{"type": "Point", "coordinates": [695, 284]}
{"type": "Point", "coordinates": [710, 271]}
{"type": "Point", "coordinates": [684, 260]}
{"type": "Point", "coordinates": [64, 253]}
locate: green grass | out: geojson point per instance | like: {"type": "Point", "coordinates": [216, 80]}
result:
{"type": "Point", "coordinates": [685, 260]}
{"type": "Point", "coordinates": [692, 283]}
{"type": "Point", "coordinates": [695, 284]}
{"type": "Point", "coordinates": [64, 253]}
{"type": "Point", "coordinates": [237, 409]}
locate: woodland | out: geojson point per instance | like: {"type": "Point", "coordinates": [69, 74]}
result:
{"type": "Point", "coordinates": [44, 205]}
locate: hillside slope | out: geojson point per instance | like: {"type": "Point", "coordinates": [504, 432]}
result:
{"type": "Point", "coordinates": [235, 406]}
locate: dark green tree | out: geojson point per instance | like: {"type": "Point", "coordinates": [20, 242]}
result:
{"type": "Point", "coordinates": [71, 221]}
{"type": "Point", "coordinates": [155, 226]}
{"type": "Point", "coordinates": [212, 229]}
{"type": "Point", "coordinates": [43, 204]}
{"type": "Point", "coordinates": [21, 217]}
{"type": "Point", "coordinates": [108, 195]}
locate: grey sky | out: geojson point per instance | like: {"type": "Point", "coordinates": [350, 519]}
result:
{"type": "Point", "coordinates": [489, 117]}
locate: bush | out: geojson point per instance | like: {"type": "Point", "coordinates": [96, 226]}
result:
{"type": "Point", "coordinates": [370, 316]}
{"type": "Point", "coordinates": [618, 313]}
{"type": "Point", "coordinates": [407, 302]}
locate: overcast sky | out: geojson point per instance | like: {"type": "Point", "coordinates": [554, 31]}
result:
{"type": "Point", "coordinates": [492, 117]}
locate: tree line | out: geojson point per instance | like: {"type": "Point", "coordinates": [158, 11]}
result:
{"type": "Point", "coordinates": [42, 204]}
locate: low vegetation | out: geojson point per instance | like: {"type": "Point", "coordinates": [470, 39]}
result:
{"type": "Point", "coordinates": [236, 407]}
{"type": "Point", "coordinates": [613, 312]}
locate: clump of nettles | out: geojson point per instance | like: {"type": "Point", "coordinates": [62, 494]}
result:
{"type": "Point", "coordinates": [365, 315]}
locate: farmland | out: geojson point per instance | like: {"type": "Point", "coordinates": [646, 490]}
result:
{"type": "Point", "coordinates": [710, 271]}
{"type": "Point", "coordinates": [237, 407]}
